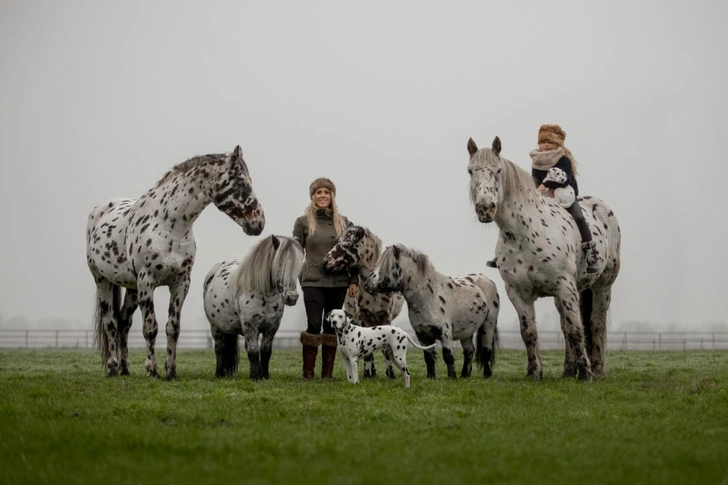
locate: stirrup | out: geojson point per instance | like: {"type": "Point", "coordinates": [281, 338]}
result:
{"type": "Point", "coordinates": [492, 263]}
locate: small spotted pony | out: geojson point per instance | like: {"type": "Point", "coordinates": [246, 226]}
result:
{"type": "Point", "coordinates": [360, 248]}
{"type": "Point", "coordinates": [539, 254]}
{"type": "Point", "coordinates": [442, 308]}
{"type": "Point", "coordinates": [141, 244]}
{"type": "Point", "coordinates": [248, 299]}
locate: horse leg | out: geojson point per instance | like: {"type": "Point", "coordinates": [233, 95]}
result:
{"type": "Point", "coordinates": [130, 305]}
{"type": "Point", "coordinates": [266, 349]}
{"type": "Point", "coordinates": [390, 370]}
{"type": "Point", "coordinates": [253, 351]}
{"type": "Point", "coordinates": [430, 355]}
{"type": "Point", "coordinates": [601, 299]}
{"type": "Point", "coordinates": [569, 350]}
{"type": "Point", "coordinates": [107, 325]}
{"type": "Point", "coordinates": [488, 335]}
{"type": "Point", "coordinates": [573, 328]}
{"type": "Point", "coordinates": [448, 355]}
{"type": "Point", "coordinates": [529, 333]}
{"type": "Point", "coordinates": [226, 352]}
{"type": "Point", "coordinates": [177, 295]}
{"type": "Point", "coordinates": [369, 370]}
{"type": "Point", "coordinates": [468, 351]}
{"type": "Point", "coordinates": [150, 328]}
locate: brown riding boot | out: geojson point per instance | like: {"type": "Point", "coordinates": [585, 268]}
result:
{"type": "Point", "coordinates": [310, 343]}
{"type": "Point", "coordinates": [328, 354]}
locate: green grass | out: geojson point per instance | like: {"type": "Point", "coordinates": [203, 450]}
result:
{"type": "Point", "coordinates": [656, 417]}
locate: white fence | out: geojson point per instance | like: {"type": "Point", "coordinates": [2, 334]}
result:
{"type": "Point", "coordinates": [286, 339]}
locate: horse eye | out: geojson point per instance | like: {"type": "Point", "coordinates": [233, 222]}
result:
{"type": "Point", "coordinates": [470, 172]}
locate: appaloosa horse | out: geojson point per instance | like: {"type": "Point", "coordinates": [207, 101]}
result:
{"type": "Point", "coordinates": [248, 299]}
{"type": "Point", "coordinates": [442, 308]}
{"type": "Point", "coordinates": [539, 254]}
{"type": "Point", "coordinates": [360, 248]}
{"type": "Point", "coordinates": [140, 244]}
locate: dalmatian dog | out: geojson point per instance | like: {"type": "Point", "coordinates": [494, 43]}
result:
{"type": "Point", "coordinates": [357, 342]}
{"type": "Point", "coordinates": [557, 180]}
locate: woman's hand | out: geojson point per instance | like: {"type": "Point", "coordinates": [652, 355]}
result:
{"type": "Point", "coordinates": [548, 192]}
{"type": "Point", "coordinates": [353, 289]}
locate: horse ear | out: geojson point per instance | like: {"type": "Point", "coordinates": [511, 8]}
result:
{"type": "Point", "coordinates": [348, 315]}
{"type": "Point", "coordinates": [496, 146]}
{"type": "Point", "coordinates": [472, 147]}
{"type": "Point", "coordinates": [276, 242]}
{"type": "Point", "coordinates": [359, 232]}
{"type": "Point", "coordinates": [395, 251]}
{"type": "Point", "coordinates": [237, 153]}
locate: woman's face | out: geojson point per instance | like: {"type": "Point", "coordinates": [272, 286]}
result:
{"type": "Point", "coordinates": [322, 198]}
{"type": "Point", "coordinates": [546, 146]}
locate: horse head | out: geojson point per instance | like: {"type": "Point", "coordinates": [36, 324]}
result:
{"type": "Point", "coordinates": [347, 251]}
{"type": "Point", "coordinates": [485, 168]}
{"type": "Point", "coordinates": [388, 275]}
{"type": "Point", "coordinates": [233, 194]}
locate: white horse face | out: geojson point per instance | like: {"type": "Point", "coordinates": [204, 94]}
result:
{"type": "Point", "coordinates": [233, 194]}
{"type": "Point", "coordinates": [484, 169]}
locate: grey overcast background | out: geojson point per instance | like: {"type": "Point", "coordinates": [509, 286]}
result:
{"type": "Point", "coordinates": [99, 99]}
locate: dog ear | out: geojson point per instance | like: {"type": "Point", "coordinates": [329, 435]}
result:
{"type": "Point", "coordinates": [327, 317]}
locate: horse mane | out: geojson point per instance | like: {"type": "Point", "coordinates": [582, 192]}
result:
{"type": "Point", "coordinates": [517, 184]}
{"type": "Point", "coordinates": [421, 260]}
{"type": "Point", "coordinates": [375, 241]}
{"type": "Point", "coordinates": [191, 163]}
{"type": "Point", "coordinates": [266, 266]}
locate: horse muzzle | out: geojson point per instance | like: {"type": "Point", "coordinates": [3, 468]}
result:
{"type": "Point", "coordinates": [485, 211]}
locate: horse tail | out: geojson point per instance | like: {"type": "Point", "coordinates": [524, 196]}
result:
{"type": "Point", "coordinates": [427, 347]}
{"type": "Point", "coordinates": [229, 355]}
{"type": "Point", "coordinates": [485, 350]}
{"type": "Point", "coordinates": [101, 339]}
{"type": "Point", "coordinates": [587, 304]}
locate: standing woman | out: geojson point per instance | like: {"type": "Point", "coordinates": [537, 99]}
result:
{"type": "Point", "coordinates": [317, 231]}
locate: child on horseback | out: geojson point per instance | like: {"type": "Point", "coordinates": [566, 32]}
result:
{"type": "Point", "coordinates": [552, 154]}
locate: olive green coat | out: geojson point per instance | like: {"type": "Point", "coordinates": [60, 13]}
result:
{"type": "Point", "coordinates": [316, 246]}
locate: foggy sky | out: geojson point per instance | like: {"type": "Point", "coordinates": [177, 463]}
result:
{"type": "Point", "coordinates": [99, 99]}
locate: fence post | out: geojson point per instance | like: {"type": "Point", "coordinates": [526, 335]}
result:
{"type": "Point", "coordinates": [86, 339]}
{"type": "Point", "coordinates": [659, 341]}
{"type": "Point", "coordinates": [26, 338]}
{"type": "Point", "coordinates": [56, 338]}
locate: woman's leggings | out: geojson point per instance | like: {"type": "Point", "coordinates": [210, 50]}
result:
{"type": "Point", "coordinates": [578, 215]}
{"type": "Point", "coordinates": [320, 301]}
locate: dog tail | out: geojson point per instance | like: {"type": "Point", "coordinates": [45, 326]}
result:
{"type": "Point", "coordinates": [412, 341]}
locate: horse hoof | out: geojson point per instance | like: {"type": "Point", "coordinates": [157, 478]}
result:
{"type": "Point", "coordinates": [172, 376]}
{"type": "Point", "coordinates": [535, 376]}
{"type": "Point", "coordinates": [390, 374]}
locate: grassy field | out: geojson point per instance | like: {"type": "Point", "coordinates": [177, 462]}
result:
{"type": "Point", "coordinates": [657, 417]}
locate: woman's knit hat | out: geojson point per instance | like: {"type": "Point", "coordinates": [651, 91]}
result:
{"type": "Point", "coordinates": [321, 182]}
{"type": "Point", "coordinates": [551, 134]}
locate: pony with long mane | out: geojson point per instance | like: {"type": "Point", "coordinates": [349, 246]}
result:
{"type": "Point", "coordinates": [248, 299]}
{"type": "Point", "coordinates": [539, 255]}
{"type": "Point", "coordinates": [360, 248]}
{"type": "Point", "coordinates": [442, 308]}
{"type": "Point", "coordinates": [141, 244]}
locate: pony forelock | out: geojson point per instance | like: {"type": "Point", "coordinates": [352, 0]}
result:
{"type": "Point", "coordinates": [266, 268]}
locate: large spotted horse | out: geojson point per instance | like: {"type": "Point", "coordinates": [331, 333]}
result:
{"type": "Point", "coordinates": [247, 298]}
{"type": "Point", "coordinates": [140, 244]}
{"type": "Point", "coordinates": [360, 248]}
{"type": "Point", "coordinates": [442, 308]}
{"type": "Point", "coordinates": [539, 254]}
